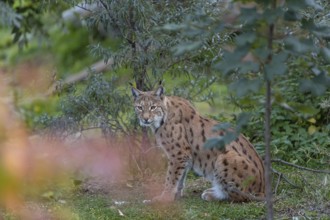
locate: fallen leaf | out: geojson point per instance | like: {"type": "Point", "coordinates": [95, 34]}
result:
{"type": "Point", "coordinates": [312, 120]}
{"type": "Point", "coordinates": [311, 129]}
{"type": "Point", "coordinates": [120, 213]}
{"type": "Point", "coordinates": [62, 201]}
{"type": "Point", "coordinates": [48, 195]}
{"type": "Point", "coordinates": [325, 181]}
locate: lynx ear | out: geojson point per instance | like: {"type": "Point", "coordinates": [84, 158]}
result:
{"type": "Point", "coordinates": [135, 92]}
{"type": "Point", "coordinates": [160, 91]}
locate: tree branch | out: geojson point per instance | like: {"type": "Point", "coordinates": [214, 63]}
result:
{"type": "Point", "coordinates": [281, 175]}
{"type": "Point", "coordinates": [96, 68]}
{"type": "Point", "coordinates": [268, 112]}
{"type": "Point", "coordinates": [300, 167]}
{"type": "Point", "coordinates": [79, 11]}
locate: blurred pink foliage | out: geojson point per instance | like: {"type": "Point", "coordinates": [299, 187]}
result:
{"type": "Point", "coordinates": [28, 162]}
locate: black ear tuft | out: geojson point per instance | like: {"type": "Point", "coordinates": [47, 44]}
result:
{"type": "Point", "coordinates": [135, 92]}
{"type": "Point", "coordinates": [160, 91]}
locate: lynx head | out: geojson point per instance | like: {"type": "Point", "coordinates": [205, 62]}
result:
{"type": "Point", "coordinates": [149, 107]}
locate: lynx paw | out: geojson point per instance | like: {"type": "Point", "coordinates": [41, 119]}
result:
{"type": "Point", "coordinates": [213, 194]}
{"type": "Point", "coordinates": [209, 195]}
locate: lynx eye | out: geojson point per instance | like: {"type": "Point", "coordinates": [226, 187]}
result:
{"type": "Point", "coordinates": [153, 107]}
{"type": "Point", "coordinates": [139, 107]}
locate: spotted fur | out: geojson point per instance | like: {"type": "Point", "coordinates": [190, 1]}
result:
{"type": "Point", "coordinates": [236, 172]}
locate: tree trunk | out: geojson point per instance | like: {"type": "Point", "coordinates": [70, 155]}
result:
{"type": "Point", "coordinates": [268, 172]}
{"type": "Point", "coordinates": [268, 111]}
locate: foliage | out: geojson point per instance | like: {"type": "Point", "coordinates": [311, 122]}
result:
{"type": "Point", "coordinates": [145, 49]}
{"type": "Point", "coordinates": [8, 16]}
{"type": "Point", "coordinates": [230, 134]}
{"type": "Point", "coordinates": [73, 55]}
{"type": "Point", "coordinates": [25, 18]}
{"type": "Point", "coordinates": [295, 139]}
{"type": "Point", "coordinates": [100, 105]}
{"type": "Point", "coordinates": [296, 59]}
{"type": "Point", "coordinates": [300, 124]}
{"type": "Point", "coordinates": [260, 56]}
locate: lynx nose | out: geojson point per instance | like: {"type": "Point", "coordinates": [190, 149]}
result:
{"type": "Point", "coordinates": [145, 120]}
{"type": "Point", "coordinates": [145, 117]}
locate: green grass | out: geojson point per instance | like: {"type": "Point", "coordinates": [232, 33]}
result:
{"type": "Point", "coordinates": [84, 206]}
{"type": "Point", "coordinates": [310, 201]}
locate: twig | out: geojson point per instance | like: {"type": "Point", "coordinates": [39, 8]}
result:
{"type": "Point", "coordinates": [278, 182]}
{"type": "Point", "coordinates": [132, 155]}
{"type": "Point", "coordinates": [247, 195]}
{"type": "Point", "coordinates": [300, 167]}
{"type": "Point", "coordinates": [310, 186]}
{"type": "Point", "coordinates": [149, 149]}
{"type": "Point", "coordinates": [82, 10]}
{"type": "Point", "coordinates": [285, 178]}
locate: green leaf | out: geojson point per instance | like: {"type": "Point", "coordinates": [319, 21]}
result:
{"type": "Point", "coordinates": [247, 67]}
{"type": "Point", "coordinates": [174, 27]}
{"type": "Point", "coordinates": [77, 182]}
{"type": "Point", "coordinates": [299, 46]}
{"type": "Point", "coordinates": [313, 4]}
{"type": "Point", "coordinates": [244, 86]}
{"type": "Point", "coordinates": [226, 68]}
{"type": "Point", "coordinates": [249, 15]}
{"type": "Point", "coordinates": [217, 142]}
{"type": "Point", "coordinates": [242, 120]}
{"type": "Point", "coordinates": [48, 195]}
{"type": "Point", "coordinates": [296, 4]}
{"type": "Point", "coordinates": [303, 4]}
{"type": "Point", "coordinates": [277, 66]}
{"type": "Point", "coordinates": [323, 79]}
{"type": "Point", "coordinates": [318, 30]}
{"type": "Point", "coordinates": [261, 53]}
{"type": "Point", "coordinates": [186, 47]}
{"type": "Point", "coordinates": [312, 120]}
{"type": "Point", "coordinates": [230, 134]}
{"type": "Point", "coordinates": [231, 60]}
{"type": "Point", "coordinates": [317, 85]}
{"type": "Point", "coordinates": [292, 15]}
{"type": "Point", "coordinates": [272, 15]}
{"type": "Point", "coordinates": [307, 85]}
{"type": "Point", "coordinates": [304, 109]}
{"type": "Point", "coordinates": [222, 127]}
{"type": "Point", "coordinates": [325, 52]}
{"type": "Point", "coordinates": [221, 141]}
{"type": "Point", "coordinates": [246, 38]}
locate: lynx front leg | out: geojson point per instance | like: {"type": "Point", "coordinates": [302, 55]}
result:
{"type": "Point", "coordinates": [174, 142]}
{"type": "Point", "coordinates": [179, 194]}
{"type": "Point", "coordinates": [175, 178]}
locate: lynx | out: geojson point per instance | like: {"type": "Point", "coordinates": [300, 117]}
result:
{"type": "Point", "coordinates": [236, 171]}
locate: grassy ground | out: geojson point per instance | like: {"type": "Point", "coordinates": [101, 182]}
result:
{"type": "Point", "coordinates": [125, 201]}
